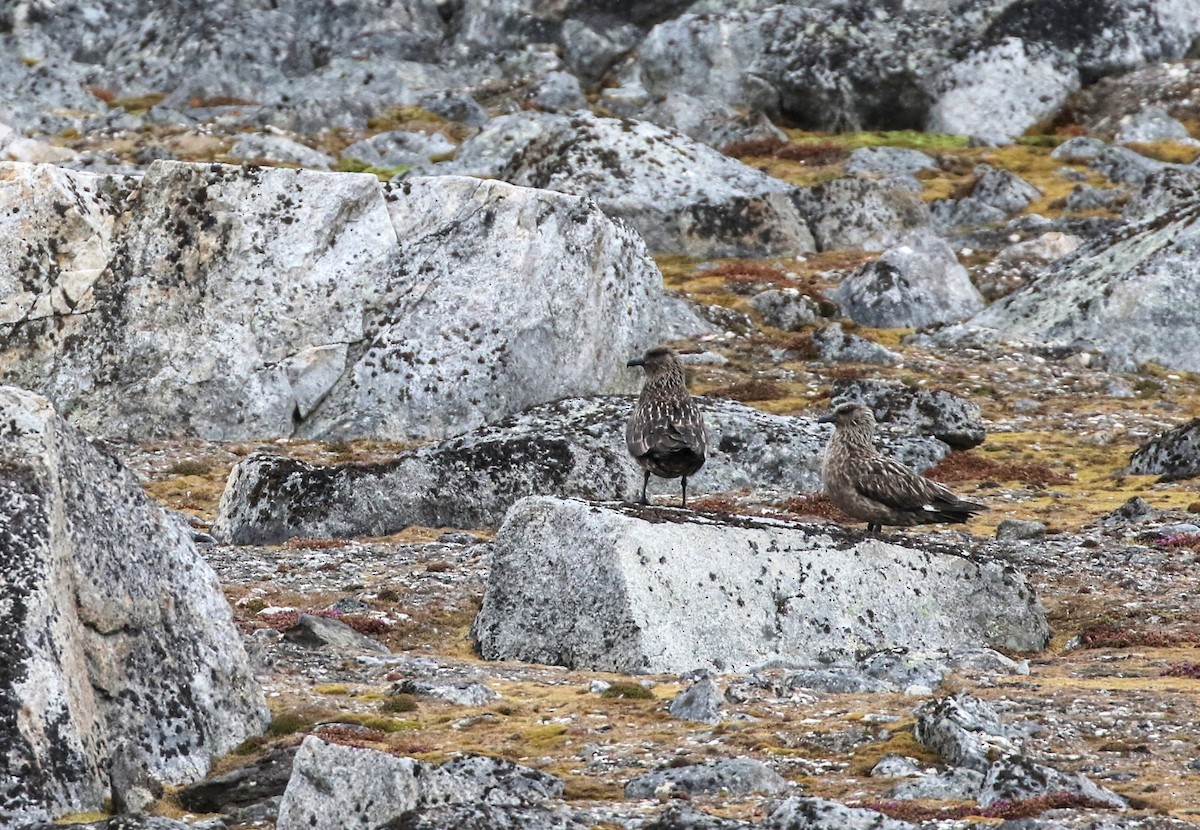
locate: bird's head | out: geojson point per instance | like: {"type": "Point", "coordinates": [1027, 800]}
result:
{"type": "Point", "coordinates": [657, 360]}
{"type": "Point", "coordinates": [849, 414]}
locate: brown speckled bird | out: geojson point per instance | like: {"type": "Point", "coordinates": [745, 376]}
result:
{"type": "Point", "coordinates": [665, 432]}
{"type": "Point", "coordinates": [881, 491]}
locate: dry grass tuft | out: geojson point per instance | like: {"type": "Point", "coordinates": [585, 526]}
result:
{"type": "Point", "coordinates": [967, 466]}
{"type": "Point", "coordinates": [627, 691]}
{"type": "Point", "coordinates": [815, 153]}
{"type": "Point", "coordinates": [750, 390]}
{"type": "Point", "coordinates": [1123, 635]}
{"type": "Point", "coordinates": [814, 504]}
{"type": "Point", "coordinates": [306, 543]}
{"type": "Point", "coordinates": [1022, 808]}
{"type": "Point", "coordinates": [1191, 670]}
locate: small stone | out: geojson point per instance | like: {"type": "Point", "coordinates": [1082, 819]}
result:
{"type": "Point", "coordinates": [322, 632]}
{"type": "Point", "coordinates": [700, 702]}
{"type": "Point", "coordinates": [1015, 529]}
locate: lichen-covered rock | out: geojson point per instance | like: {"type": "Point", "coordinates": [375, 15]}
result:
{"type": "Point", "coordinates": [956, 784]}
{"type": "Point", "coordinates": [227, 302]}
{"type": "Point", "coordinates": [241, 787]}
{"type": "Point", "coordinates": [1003, 189]}
{"type": "Point", "coordinates": [799, 812]}
{"type": "Point", "coordinates": [118, 638]}
{"type": "Point", "coordinates": [699, 702]}
{"type": "Point", "coordinates": [397, 148]}
{"type": "Point", "coordinates": [835, 345]}
{"type": "Point", "coordinates": [491, 817]}
{"type": "Point", "coordinates": [334, 786]}
{"type": "Point", "coordinates": [709, 122]}
{"type": "Point", "coordinates": [729, 776]}
{"type": "Point", "coordinates": [1131, 290]}
{"type": "Point", "coordinates": [574, 447]}
{"type": "Point", "coordinates": [1163, 191]}
{"type": "Point", "coordinates": [1173, 455]}
{"type": "Point", "coordinates": [682, 196]}
{"type": "Point", "coordinates": [937, 412]}
{"type": "Point", "coordinates": [964, 731]}
{"type": "Point", "coordinates": [914, 284]}
{"type": "Point", "coordinates": [1000, 91]}
{"type": "Point", "coordinates": [654, 590]}
{"type": "Point", "coordinates": [888, 161]}
{"type": "Point", "coordinates": [862, 214]}
{"type": "Point", "coordinates": [1124, 166]}
{"type": "Point", "coordinates": [1150, 124]}
{"type": "Point", "coordinates": [323, 632]}
{"type": "Point", "coordinates": [686, 817]}
{"type": "Point", "coordinates": [1016, 778]}
{"type": "Point", "coordinates": [785, 308]}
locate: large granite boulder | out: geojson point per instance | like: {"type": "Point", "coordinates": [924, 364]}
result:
{"type": "Point", "coordinates": [682, 196]}
{"type": "Point", "coordinates": [573, 447]}
{"type": "Point", "coordinates": [1131, 292]}
{"type": "Point", "coordinates": [228, 303]}
{"type": "Point", "coordinates": [123, 670]}
{"type": "Point", "coordinates": [631, 589]}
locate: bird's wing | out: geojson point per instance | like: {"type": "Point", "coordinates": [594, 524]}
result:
{"type": "Point", "coordinates": [893, 484]}
{"type": "Point", "coordinates": [665, 427]}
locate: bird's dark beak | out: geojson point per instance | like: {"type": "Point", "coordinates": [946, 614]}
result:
{"type": "Point", "coordinates": [637, 361]}
{"type": "Point", "coordinates": [827, 418]}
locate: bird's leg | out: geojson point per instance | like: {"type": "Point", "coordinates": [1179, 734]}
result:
{"type": "Point", "coordinates": [645, 484]}
{"type": "Point", "coordinates": [684, 505]}
{"type": "Point", "coordinates": [872, 527]}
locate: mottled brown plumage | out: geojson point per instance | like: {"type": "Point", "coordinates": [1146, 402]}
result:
{"type": "Point", "coordinates": [665, 432]}
{"type": "Point", "coordinates": [878, 490]}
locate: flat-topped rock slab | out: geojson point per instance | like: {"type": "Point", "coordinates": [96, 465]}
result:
{"type": "Point", "coordinates": [620, 587]}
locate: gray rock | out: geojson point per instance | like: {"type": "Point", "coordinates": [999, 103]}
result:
{"type": "Point", "coordinates": [557, 92]}
{"type": "Point", "coordinates": [591, 45]}
{"type": "Point", "coordinates": [969, 212]}
{"type": "Point", "coordinates": [951, 785]}
{"type": "Point", "coordinates": [1016, 777]}
{"type": "Point", "coordinates": [323, 632]}
{"type": "Point", "coordinates": [837, 680]}
{"type": "Point", "coordinates": [1163, 191]}
{"type": "Point", "coordinates": [699, 702]}
{"type": "Point", "coordinates": [895, 766]}
{"type": "Point", "coordinates": [708, 121]}
{"type": "Point", "coordinates": [574, 447]}
{"type": "Point", "coordinates": [914, 284]}
{"type": "Point", "coordinates": [809, 813]}
{"type": "Point", "coordinates": [837, 346]}
{"type": "Point", "coordinates": [964, 731]}
{"type": "Point", "coordinates": [479, 778]}
{"type": "Point", "coordinates": [1086, 197]}
{"type": "Point", "coordinates": [129, 822]}
{"type": "Point", "coordinates": [1135, 511]}
{"type": "Point", "coordinates": [334, 786]}
{"type": "Point", "coordinates": [1077, 149]}
{"type": "Point", "coordinates": [632, 569]}
{"type": "Point", "coordinates": [242, 787]}
{"type": "Point", "coordinates": [889, 161]}
{"type": "Point", "coordinates": [491, 817]}
{"type": "Point", "coordinates": [454, 105]}
{"type": "Point", "coordinates": [462, 694]}
{"type": "Point", "coordinates": [1002, 90]}
{"type": "Point", "coordinates": [368, 300]}
{"type": "Point", "coordinates": [1124, 166]}
{"type": "Point", "coordinates": [682, 320]}
{"type": "Point", "coordinates": [95, 661]}
{"type": "Point", "coordinates": [1172, 455]}
{"type": "Point", "coordinates": [1003, 190]}
{"type": "Point", "coordinates": [682, 196]}
{"type": "Point", "coordinates": [277, 148]}
{"type": "Point", "coordinates": [786, 309]}
{"type": "Point", "coordinates": [1151, 124]}
{"type": "Point", "coordinates": [937, 412]}
{"type": "Point", "coordinates": [398, 148]}
{"type": "Point", "coordinates": [1010, 530]}
{"type": "Point", "coordinates": [686, 817]}
{"type": "Point", "coordinates": [1119, 292]}
{"type": "Point", "coordinates": [862, 214]}
{"type": "Point", "coordinates": [727, 776]}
